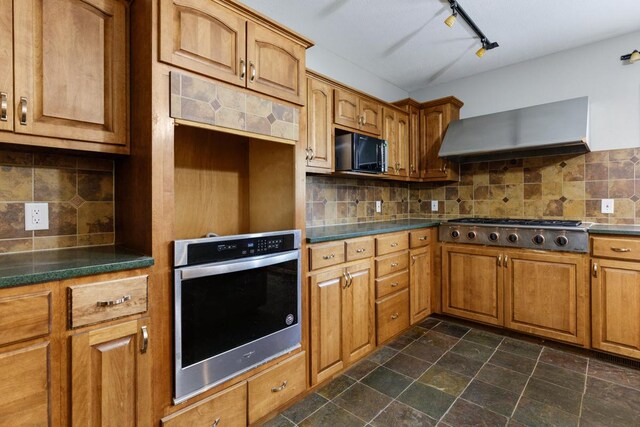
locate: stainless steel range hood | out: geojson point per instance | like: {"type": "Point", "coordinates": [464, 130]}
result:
{"type": "Point", "coordinates": [556, 128]}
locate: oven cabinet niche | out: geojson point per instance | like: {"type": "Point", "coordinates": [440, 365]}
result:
{"type": "Point", "coordinates": [229, 184]}
{"type": "Point", "coordinates": [218, 40]}
{"type": "Point", "coordinates": [342, 317]}
{"type": "Point", "coordinates": [64, 73]}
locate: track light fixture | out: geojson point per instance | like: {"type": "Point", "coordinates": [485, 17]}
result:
{"type": "Point", "coordinates": [632, 57]}
{"type": "Point", "coordinates": [486, 44]}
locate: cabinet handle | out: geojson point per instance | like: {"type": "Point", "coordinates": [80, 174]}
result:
{"type": "Point", "coordinates": [595, 269]}
{"type": "Point", "coordinates": [280, 387]}
{"type": "Point", "coordinates": [243, 69]}
{"type": "Point", "coordinates": [413, 168]}
{"type": "Point", "coordinates": [216, 422]}
{"type": "Point", "coordinates": [313, 154]}
{"type": "Point", "coordinates": [444, 168]}
{"type": "Point", "coordinates": [3, 107]}
{"type": "Point", "coordinates": [350, 278]}
{"type": "Point", "coordinates": [423, 238]}
{"type": "Point", "coordinates": [500, 260]}
{"type": "Point", "coordinates": [307, 156]}
{"type": "Point", "coordinates": [361, 250]}
{"type": "Point", "coordinates": [364, 119]}
{"type": "Point", "coordinates": [114, 302]}
{"type": "Point", "coordinates": [394, 264]}
{"type": "Point", "coordinates": [506, 261]}
{"type": "Point", "coordinates": [395, 284]}
{"type": "Point", "coordinates": [394, 244]}
{"type": "Point", "coordinates": [394, 316]}
{"type": "Point", "coordinates": [145, 340]}
{"type": "Point", "coordinates": [620, 249]}
{"type": "Point", "coordinates": [253, 71]}
{"type": "Point", "coordinates": [329, 256]}
{"type": "Point", "coordinates": [23, 110]}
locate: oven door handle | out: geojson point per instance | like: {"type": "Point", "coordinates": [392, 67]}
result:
{"type": "Point", "coordinates": [233, 266]}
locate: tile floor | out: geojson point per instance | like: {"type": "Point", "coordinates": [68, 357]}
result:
{"type": "Point", "coordinates": [442, 373]}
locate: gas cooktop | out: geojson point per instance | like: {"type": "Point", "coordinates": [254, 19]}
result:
{"type": "Point", "coordinates": [516, 222]}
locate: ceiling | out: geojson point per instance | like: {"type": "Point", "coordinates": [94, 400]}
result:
{"type": "Point", "coordinates": [406, 43]}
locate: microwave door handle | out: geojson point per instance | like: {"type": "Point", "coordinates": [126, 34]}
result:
{"type": "Point", "coordinates": [187, 273]}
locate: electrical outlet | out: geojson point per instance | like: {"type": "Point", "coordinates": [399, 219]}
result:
{"type": "Point", "coordinates": [36, 216]}
{"type": "Point", "coordinates": [607, 206]}
{"type": "Point", "coordinates": [378, 206]}
{"type": "Point", "coordinates": [434, 206]}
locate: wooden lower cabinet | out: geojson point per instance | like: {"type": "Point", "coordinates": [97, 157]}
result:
{"type": "Point", "coordinates": [110, 376]}
{"type": "Point", "coordinates": [420, 283]}
{"type": "Point", "coordinates": [547, 295]}
{"type": "Point", "coordinates": [392, 315]}
{"type": "Point", "coordinates": [615, 307]}
{"type": "Point", "coordinates": [472, 283]}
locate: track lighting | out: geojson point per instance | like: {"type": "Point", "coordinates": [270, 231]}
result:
{"type": "Point", "coordinates": [486, 44]}
{"type": "Point", "coordinates": [632, 57]}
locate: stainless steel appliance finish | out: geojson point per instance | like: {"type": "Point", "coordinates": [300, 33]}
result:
{"type": "Point", "coordinates": [237, 304]}
{"type": "Point", "coordinates": [361, 153]}
{"type": "Point", "coordinates": [556, 128]}
{"type": "Point", "coordinates": [548, 235]}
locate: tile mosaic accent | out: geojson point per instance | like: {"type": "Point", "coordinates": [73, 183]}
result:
{"type": "Point", "coordinates": [204, 101]}
{"type": "Point", "coordinates": [555, 187]}
{"type": "Point", "coordinates": [80, 196]}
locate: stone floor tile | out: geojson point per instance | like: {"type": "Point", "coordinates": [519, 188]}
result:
{"type": "Point", "coordinates": [473, 350]}
{"type": "Point", "coordinates": [414, 333]}
{"type": "Point", "coordinates": [503, 378]}
{"type": "Point", "coordinates": [513, 362]}
{"type": "Point", "coordinates": [381, 355]}
{"type": "Point", "coordinates": [427, 399]}
{"type": "Point", "coordinates": [537, 414]}
{"type": "Point", "coordinates": [437, 339]}
{"type": "Point", "coordinates": [331, 415]}
{"type": "Point", "coordinates": [551, 394]}
{"type": "Point", "coordinates": [605, 390]}
{"type": "Point", "coordinates": [400, 343]}
{"type": "Point", "coordinates": [429, 323]}
{"type": "Point", "coordinates": [400, 415]}
{"type": "Point", "coordinates": [387, 381]}
{"type": "Point", "coordinates": [485, 338]}
{"type": "Point", "coordinates": [617, 374]}
{"type": "Point", "coordinates": [490, 397]}
{"type": "Point", "coordinates": [564, 359]}
{"type": "Point", "coordinates": [560, 376]}
{"type": "Point", "coordinates": [336, 386]}
{"type": "Point", "coordinates": [464, 413]}
{"type": "Point", "coordinates": [278, 421]}
{"type": "Point", "coordinates": [463, 365]}
{"type": "Point", "coordinates": [407, 365]}
{"type": "Point", "coordinates": [599, 412]}
{"type": "Point", "coordinates": [445, 380]}
{"type": "Point", "coordinates": [305, 407]}
{"type": "Point", "coordinates": [361, 369]}
{"type": "Point", "coordinates": [362, 401]}
{"type": "Point", "coordinates": [520, 348]}
{"type": "Point", "coordinates": [425, 351]}
{"type": "Point", "coordinates": [451, 329]}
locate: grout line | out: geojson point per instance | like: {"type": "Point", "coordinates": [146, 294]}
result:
{"type": "Point", "coordinates": [525, 386]}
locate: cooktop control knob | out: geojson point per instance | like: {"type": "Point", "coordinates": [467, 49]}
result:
{"type": "Point", "coordinates": [562, 241]}
{"type": "Point", "coordinates": [455, 234]}
{"type": "Point", "coordinates": [493, 236]}
{"type": "Point", "coordinates": [471, 235]}
{"type": "Point", "coordinates": [513, 237]}
{"type": "Point", "coordinates": [538, 239]}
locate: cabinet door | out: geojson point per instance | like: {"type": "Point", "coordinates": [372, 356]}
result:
{"type": "Point", "coordinates": [326, 324]}
{"type": "Point", "coordinates": [25, 386]}
{"type": "Point", "coordinates": [110, 376]}
{"type": "Point", "coordinates": [276, 64]}
{"type": "Point", "coordinates": [345, 109]}
{"type": "Point", "coordinates": [615, 305]}
{"type": "Point", "coordinates": [358, 313]}
{"type": "Point", "coordinates": [420, 283]}
{"type": "Point", "coordinates": [433, 122]}
{"type": "Point", "coordinates": [414, 142]}
{"type": "Point", "coordinates": [472, 283]}
{"type": "Point", "coordinates": [389, 134]}
{"type": "Point", "coordinates": [71, 75]}
{"type": "Point", "coordinates": [546, 294]}
{"type": "Point", "coordinates": [319, 135]}
{"type": "Point", "coordinates": [371, 113]}
{"type": "Point", "coordinates": [402, 144]}
{"type": "Point", "coordinates": [6, 65]}
{"type": "Point", "coordinates": [205, 37]}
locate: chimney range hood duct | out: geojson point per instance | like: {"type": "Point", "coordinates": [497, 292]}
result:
{"type": "Point", "coordinates": [556, 128]}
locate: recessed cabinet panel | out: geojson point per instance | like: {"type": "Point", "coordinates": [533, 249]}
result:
{"type": "Point", "coordinates": [346, 111]}
{"type": "Point", "coordinates": [359, 313]}
{"type": "Point", "coordinates": [6, 65]}
{"type": "Point", "coordinates": [319, 134]}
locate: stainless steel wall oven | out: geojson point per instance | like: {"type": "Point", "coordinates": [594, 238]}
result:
{"type": "Point", "coordinates": [236, 305]}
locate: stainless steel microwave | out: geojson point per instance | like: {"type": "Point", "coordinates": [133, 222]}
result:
{"type": "Point", "coordinates": [361, 153]}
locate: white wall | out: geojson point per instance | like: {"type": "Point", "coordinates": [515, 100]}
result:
{"type": "Point", "coordinates": [595, 70]}
{"type": "Point", "coordinates": [331, 65]}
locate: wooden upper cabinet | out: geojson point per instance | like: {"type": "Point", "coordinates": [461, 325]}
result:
{"type": "Point", "coordinates": [434, 120]}
{"type": "Point", "coordinates": [319, 134]}
{"type": "Point", "coordinates": [205, 37]}
{"type": "Point", "coordinates": [6, 65]}
{"type": "Point", "coordinates": [355, 112]}
{"type": "Point", "coordinates": [390, 134]}
{"type": "Point", "coordinates": [402, 136]}
{"type": "Point", "coordinates": [371, 114]}
{"type": "Point", "coordinates": [414, 142]}
{"type": "Point", "coordinates": [71, 73]}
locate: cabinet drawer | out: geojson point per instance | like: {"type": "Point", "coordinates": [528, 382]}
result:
{"type": "Point", "coordinates": [392, 315]}
{"type": "Point", "coordinates": [391, 284]}
{"type": "Point", "coordinates": [99, 302]}
{"type": "Point", "coordinates": [228, 406]}
{"type": "Point", "coordinates": [392, 264]}
{"type": "Point", "coordinates": [613, 247]}
{"type": "Point", "coordinates": [359, 248]}
{"type": "Point", "coordinates": [390, 243]}
{"type": "Point", "coordinates": [419, 238]}
{"type": "Point", "coordinates": [273, 387]}
{"type": "Point", "coordinates": [24, 317]}
{"type": "Point", "coordinates": [325, 255]}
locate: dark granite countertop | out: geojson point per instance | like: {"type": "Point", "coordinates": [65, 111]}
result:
{"type": "Point", "coordinates": [625, 230]}
{"type": "Point", "coordinates": [44, 266]}
{"type": "Point", "coordinates": [347, 231]}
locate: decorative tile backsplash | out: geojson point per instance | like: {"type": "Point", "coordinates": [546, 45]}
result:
{"type": "Point", "coordinates": [79, 191]}
{"type": "Point", "coordinates": [203, 101]}
{"type": "Point", "coordinates": [554, 187]}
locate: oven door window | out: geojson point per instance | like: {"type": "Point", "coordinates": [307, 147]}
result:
{"type": "Point", "coordinates": [223, 311]}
